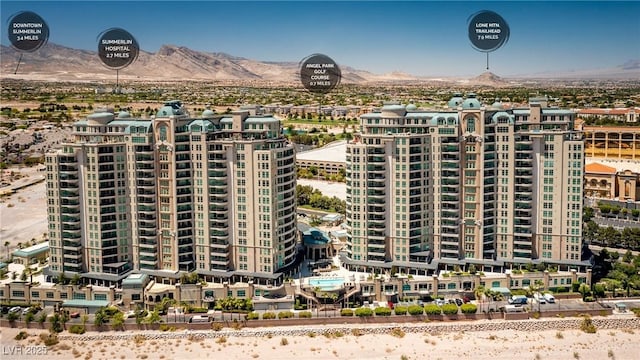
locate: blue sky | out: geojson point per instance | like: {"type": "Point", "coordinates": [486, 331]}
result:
{"type": "Point", "coordinates": [420, 37]}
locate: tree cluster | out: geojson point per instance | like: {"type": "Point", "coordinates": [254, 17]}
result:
{"type": "Point", "coordinates": [307, 195]}
{"type": "Point", "coordinates": [628, 238]}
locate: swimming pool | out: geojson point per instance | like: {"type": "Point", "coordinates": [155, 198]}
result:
{"type": "Point", "coordinates": [326, 283]}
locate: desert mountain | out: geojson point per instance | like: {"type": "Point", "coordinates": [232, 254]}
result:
{"type": "Point", "coordinates": [488, 78]}
{"type": "Point", "coordinates": [170, 62]}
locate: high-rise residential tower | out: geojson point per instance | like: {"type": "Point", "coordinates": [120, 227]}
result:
{"type": "Point", "coordinates": [471, 184]}
{"type": "Point", "coordinates": [215, 195]}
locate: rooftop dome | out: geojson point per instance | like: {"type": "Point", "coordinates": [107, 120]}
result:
{"type": "Point", "coordinates": [124, 115]}
{"type": "Point", "coordinates": [411, 107]}
{"type": "Point", "coordinates": [207, 114]}
{"type": "Point", "coordinates": [471, 102]}
{"type": "Point", "coordinates": [455, 101]}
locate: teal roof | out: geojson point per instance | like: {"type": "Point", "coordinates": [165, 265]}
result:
{"type": "Point", "coordinates": [200, 126]}
{"type": "Point", "coordinates": [313, 236]}
{"type": "Point", "coordinates": [455, 101]}
{"type": "Point", "coordinates": [173, 107]}
{"type": "Point", "coordinates": [141, 126]}
{"type": "Point", "coordinates": [208, 114]}
{"type": "Point", "coordinates": [502, 290]}
{"type": "Point", "coordinates": [135, 279]}
{"type": "Point", "coordinates": [471, 103]}
{"type": "Point", "coordinates": [34, 250]}
{"type": "Point", "coordinates": [77, 303]}
{"type": "Point", "coordinates": [521, 111]}
{"type": "Point", "coordinates": [2, 265]}
{"type": "Point", "coordinates": [500, 114]}
{"type": "Point", "coordinates": [392, 107]}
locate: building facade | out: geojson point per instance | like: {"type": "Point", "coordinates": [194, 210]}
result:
{"type": "Point", "coordinates": [470, 184]}
{"type": "Point", "coordinates": [214, 194]}
{"type": "Point", "coordinates": [612, 142]}
{"type": "Point", "coordinates": [607, 182]}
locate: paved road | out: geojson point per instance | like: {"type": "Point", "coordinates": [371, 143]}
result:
{"type": "Point", "coordinates": [616, 223]}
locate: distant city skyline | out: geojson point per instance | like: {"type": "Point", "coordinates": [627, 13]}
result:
{"type": "Point", "coordinates": [425, 38]}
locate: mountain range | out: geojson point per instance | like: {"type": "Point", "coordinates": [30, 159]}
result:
{"type": "Point", "coordinates": [59, 63]}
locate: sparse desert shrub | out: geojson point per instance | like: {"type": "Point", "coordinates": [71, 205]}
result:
{"type": "Point", "coordinates": [559, 335]}
{"type": "Point", "coordinates": [268, 316]}
{"type": "Point", "coordinates": [216, 326]}
{"type": "Point", "coordinates": [587, 326]}
{"type": "Point", "coordinates": [236, 325]}
{"type": "Point", "coordinates": [346, 312]}
{"type": "Point", "coordinates": [397, 332]}
{"type": "Point", "coordinates": [21, 335]}
{"type": "Point", "coordinates": [139, 339]}
{"type": "Point", "coordinates": [76, 329]}
{"type": "Point", "coordinates": [49, 339]}
{"type": "Point", "coordinates": [536, 315]}
{"type": "Point", "coordinates": [356, 332]}
{"type": "Point", "coordinates": [284, 341]}
{"type": "Point", "coordinates": [304, 314]}
{"type": "Point", "coordinates": [221, 340]}
{"type": "Point", "coordinates": [311, 334]}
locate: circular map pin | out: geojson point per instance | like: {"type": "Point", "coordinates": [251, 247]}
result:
{"type": "Point", "coordinates": [488, 31]}
{"type": "Point", "coordinates": [27, 31]}
{"type": "Point", "coordinates": [319, 73]}
{"type": "Point", "coordinates": [117, 48]}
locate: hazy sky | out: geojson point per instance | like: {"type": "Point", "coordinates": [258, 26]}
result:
{"type": "Point", "coordinates": [419, 37]}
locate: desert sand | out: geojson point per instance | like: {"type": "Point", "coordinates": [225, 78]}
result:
{"type": "Point", "coordinates": [23, 215]}
{"type": "Point", "coordinates": [505, 344]}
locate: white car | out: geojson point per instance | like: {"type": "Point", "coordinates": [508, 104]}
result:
{"type": "Point", "coordinates": [15, 309]}
{"type": "Point", "coordinates": [539, 298]}
{"type": "Point", "coordinates": [550, 299]}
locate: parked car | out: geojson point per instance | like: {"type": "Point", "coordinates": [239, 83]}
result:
{"type": "Point", "coordinates": [440, 302]}
{"type": "Point", "coordinates": [458, 302]}
{"type": "Point", "coordinates": [15, 310]}
{"type": "Point", "coordinates": [74, 315]}
{"type": "Point", "coordinates": [198, 319]}
{"type": "Point", "coordinates": [539, 298]}
{"type": "Point", "coordinates": [27, 310]}
{"type": "Point", "coordinates": [550, 299]}
{"type": "Point", "coordinates": [518, 300]}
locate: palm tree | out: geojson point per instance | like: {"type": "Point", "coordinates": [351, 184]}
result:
{"type": "Point", "coordinates": [154, 317]}
{"type": "Point", "coordinates": [6, 246]}
{"type": "Point", "coordinates": [99, 318]}
{"type": "Point", "coordinates": [537, 286]}
{"type": "Point", "coordinates": [479, 293]}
